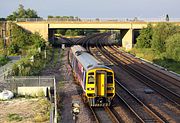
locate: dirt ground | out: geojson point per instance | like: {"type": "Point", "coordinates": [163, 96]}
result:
{"type": "Point", "coordinates": [26, 110]}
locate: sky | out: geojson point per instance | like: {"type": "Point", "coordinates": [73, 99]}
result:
{"type": "Point", "coordinates": [96, 8]}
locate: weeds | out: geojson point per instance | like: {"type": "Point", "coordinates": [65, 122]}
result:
{"type": "Point", "coordinates": [44, 114]}
{"type": "Point", "coordinates": [14, 117]}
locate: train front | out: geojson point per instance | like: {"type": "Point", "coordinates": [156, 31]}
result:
{"type": "Point", "coordinates": [100, 86]}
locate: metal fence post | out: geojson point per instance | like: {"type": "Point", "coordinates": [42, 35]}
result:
{"type": "Point", "coordinates": [39, 80]}
{"type": "Point", "coordinates": [55, 102]}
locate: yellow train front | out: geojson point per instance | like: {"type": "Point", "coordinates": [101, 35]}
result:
{"type": "Point", "coordinates": [96, 80]}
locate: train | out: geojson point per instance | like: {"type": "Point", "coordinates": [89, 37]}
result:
{"type": "Point", "coordinates": [95, 78]}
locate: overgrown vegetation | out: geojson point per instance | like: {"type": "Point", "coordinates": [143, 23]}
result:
{"type": "Point", "coordinates": [160, 44]}
{"type": "Point", "coordinates": [3, 60]}
{"type": "Point", "coordinates": [30, 46]}
{"type": "Point", "coordinates": [28, 66]}
{"type": "Point", "coordinates": [23, 40]}
{"type": "Point", "coordinates": [44, 107]}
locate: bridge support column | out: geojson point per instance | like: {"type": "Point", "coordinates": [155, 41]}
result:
{"type": "Point", "coordinates": [127, 36]}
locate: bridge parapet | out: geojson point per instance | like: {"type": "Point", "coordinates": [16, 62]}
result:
{"type": "Point", "coordinates": [98, 19]}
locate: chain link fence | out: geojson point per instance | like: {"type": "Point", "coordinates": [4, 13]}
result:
{"type": "Point", "coordinates": [7, 69]}
{"type": "Point", "coordinates": [12, 83]}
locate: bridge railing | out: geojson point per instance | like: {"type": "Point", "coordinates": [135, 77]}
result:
{"type": "Point", "coordinates": [99, 19]}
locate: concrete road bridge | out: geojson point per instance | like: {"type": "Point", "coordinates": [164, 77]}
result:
{"type": "Point", "coordinates": [127, 27]}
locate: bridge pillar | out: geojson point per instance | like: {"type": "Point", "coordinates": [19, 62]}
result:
{"type": "Point", "coordinates": [127, 36]}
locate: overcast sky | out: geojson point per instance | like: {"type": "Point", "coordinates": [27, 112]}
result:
{"type": "Point", "coordinates": [96, 8]}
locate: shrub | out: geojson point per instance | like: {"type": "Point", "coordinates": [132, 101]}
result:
{"type": "Point", "coordinates": [145, 37]}
{"type": "Point", "coordinates": [173, 47]}
{"type": "Point", "coordinates": [160, 33]}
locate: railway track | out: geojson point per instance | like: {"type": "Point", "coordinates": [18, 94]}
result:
{"type": "Point", "coordinates": [168, 94]}
{"type": "Point", "coordinates": [144, 67]}
{"type": "Point", "coordinates": [140, 110]}
{"type": "Point", "coordinates": [104, 115]}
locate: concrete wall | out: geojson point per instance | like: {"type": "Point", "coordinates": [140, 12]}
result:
{"type": "Point", "coordinates": [127, 38]}
{"type": "Point", "coordinates": [41, 28]}
{"type": "Point", "coordinates": [34, 91]}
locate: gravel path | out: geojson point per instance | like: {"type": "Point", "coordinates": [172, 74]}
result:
{"type": "Point", "coordinates": [66, 88]}
{"type": "Point", "coordinates": [71, 92]}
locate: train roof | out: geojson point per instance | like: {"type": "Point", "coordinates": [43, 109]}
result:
{"type": "Point", "coordinates": [86, 59]}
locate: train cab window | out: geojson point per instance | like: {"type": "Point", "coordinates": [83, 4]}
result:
{"type": "Point", "coordinates": [90, 80]}
{"type": "Point", "coordinates": [109, 79]}
{"type": "Point", "coordinates": [92, 73]}
{"type": "Point", "coordinates": [109, 73]}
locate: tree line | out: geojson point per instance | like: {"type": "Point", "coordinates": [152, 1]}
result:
{"type": "Point", "coordinates": [164, 38]}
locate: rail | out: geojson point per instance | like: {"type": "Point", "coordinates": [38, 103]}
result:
{"type": "Point", "coordinates": [103, 114]}
{"type": "Point", "coordinates": [98, 19]}
{"type": "Point", "coordinates": [150, 115]}
{"type": "Point", "coordinates": [164, 91]}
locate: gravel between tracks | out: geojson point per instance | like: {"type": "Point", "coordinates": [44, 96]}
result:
{"type": "Point", "coordinates": [156, 102]}
{"type": "Point", "coordinates": [161, 106]}
{"type": "Point", "coordinates": [126, 115]}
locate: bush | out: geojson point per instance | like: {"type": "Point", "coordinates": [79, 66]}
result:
{"type": "Point", "coordinates": [145, 37]}
{"type": "Point", "coordinates": [3, 60]}
{"type": "Point", "coordinates": [160, 33]}
{"type": "Point", "coordinates": [173, 47]}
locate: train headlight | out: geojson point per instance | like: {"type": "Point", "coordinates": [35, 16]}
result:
{"type": "Point", "coordinates": [110, 88]}
{"type": "Point", "coordinates": [90, 89]}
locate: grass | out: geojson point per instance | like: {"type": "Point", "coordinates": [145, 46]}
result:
{"type": "Point", "coordinates": [44, 107]}
{"type": "Point", "coordinates": [157, 58]}
{"type": "Point", "coordinates": [55, 56]}
{"type": "Point", "coordinates": [169, 64]}
{"type": "Point", "coordinates": [14, 117]}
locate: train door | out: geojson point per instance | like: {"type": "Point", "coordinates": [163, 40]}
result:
{"type": "Point", "coordinates": [101, 83]}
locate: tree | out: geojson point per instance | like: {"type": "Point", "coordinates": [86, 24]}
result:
{"type": "Point", "coordinates": [68, 32]}
{"type": "Point", "coordinates": [22, 40]}
{"type": "Point", "coordinates": [61, 31]}
{"type": "Point", "coordinates": [50, 16]}
{"type": "Point", "coordinates": [38, 41]}
{"type": "Point", "coordinates": [31, 14]}
{"type": "Point", "coordinates": [2, 19]}
{"type": "Point", "coordinates": [145, 37]}
{"type": "Point", "coordinates": [22, 13]}
{"type": "Point", "coordinates": [161, 33]}
{"type": "Point", "coordinates": [173, 47]}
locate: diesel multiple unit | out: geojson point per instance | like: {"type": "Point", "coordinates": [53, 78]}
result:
{"type": "Point", "coordinates": [96, 79]}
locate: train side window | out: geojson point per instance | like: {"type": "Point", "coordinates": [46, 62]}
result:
{"type": "Point", "coordinates": [109, 79]}
{"type": "Point", "coordinates": [90, 80]}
